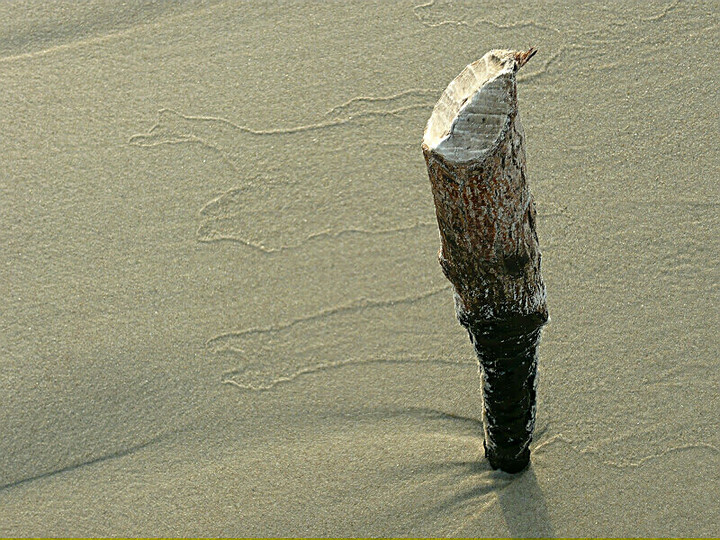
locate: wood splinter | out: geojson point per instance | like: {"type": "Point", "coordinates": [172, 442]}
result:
{"type": "Point", "coordinates": [475, 155]}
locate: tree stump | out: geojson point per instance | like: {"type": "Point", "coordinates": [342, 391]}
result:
{"type": "Point", "coordinates": [474, 151]}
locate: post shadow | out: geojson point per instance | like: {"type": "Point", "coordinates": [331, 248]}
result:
{"type": "Point", "coordinates": [523, 506]}
{"type": "Point", "coordinates": [519, 496]}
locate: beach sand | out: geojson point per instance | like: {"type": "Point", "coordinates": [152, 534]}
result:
{"type": "Point", "coordinates": [222, 313]}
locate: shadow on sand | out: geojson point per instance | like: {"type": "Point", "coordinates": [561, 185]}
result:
{"type": "Point", "coordinates": [523, 507]}
{"type": "Point", "coordinates": [519, 497]}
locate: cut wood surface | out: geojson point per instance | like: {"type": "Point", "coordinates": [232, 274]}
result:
{"type": "Point", "coordinates": [475, 156]}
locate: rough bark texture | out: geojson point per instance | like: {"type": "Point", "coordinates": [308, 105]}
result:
{"type": "Point", "coordinates": [474, 150]}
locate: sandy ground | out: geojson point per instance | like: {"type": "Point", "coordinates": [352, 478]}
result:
{"type": "Point", "coordinates": [221, 308]}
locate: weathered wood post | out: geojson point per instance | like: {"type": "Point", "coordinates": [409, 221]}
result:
{"type": "Point", "coordinates": [475, 156]}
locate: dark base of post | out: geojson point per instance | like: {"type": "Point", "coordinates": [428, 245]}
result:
{"type": "Point", "coordinates": [508, 463]}
{"type": "Point", "coordinates": [507, 352]}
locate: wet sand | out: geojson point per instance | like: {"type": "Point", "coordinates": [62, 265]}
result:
{"type": "Point", "coordinates": [222, 311]}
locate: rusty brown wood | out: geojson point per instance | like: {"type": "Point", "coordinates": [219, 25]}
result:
{"type": "Point", "coordinates": [475, 155]}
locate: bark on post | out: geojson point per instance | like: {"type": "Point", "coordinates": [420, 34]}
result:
{"type": "Point", "coordinates": [475, 156]}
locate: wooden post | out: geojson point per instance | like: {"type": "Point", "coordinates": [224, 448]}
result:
{"type": "Point", "coordinates": [474, 151]}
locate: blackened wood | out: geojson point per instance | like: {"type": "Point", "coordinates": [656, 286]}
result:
{"type": "Point", "coordinates": [475, 155]}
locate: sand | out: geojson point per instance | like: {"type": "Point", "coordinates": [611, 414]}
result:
{"type": "Point", "coordinates": [222, 313]}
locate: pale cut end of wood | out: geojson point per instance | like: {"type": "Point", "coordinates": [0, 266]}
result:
{"type": "Point", "coordinates": [474, 109]}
